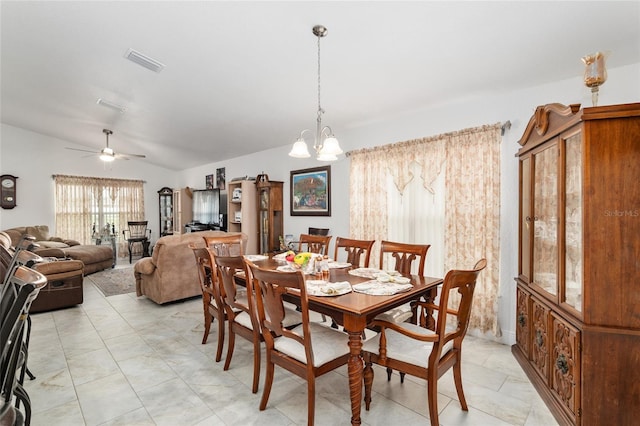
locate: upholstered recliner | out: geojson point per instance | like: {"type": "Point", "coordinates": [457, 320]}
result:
{"type": "Point", "coordinates": [65, 278]}
{"type": "Point", "coordinates": [95, 258]}
{"type": "Point", "coordinates": [170, 273]}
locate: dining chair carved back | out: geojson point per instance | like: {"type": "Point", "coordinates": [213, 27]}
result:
{"type": "Point", "coordinates": [425, 353]}
{"type": "Point", "coordinates": [358, 251]}
{"type": "Point", "coordinates": [226, 245]}
{"type": "Point", "coordinates": [240, 310]}
{"type": "Point", "coordinates": [308, 350]}
{"type": "Point", "coordinates": [404, 254]}
{"type": "Point", "coordinates": [314, 243]}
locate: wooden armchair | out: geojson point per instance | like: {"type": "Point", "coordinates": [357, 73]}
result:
{"type": "Point", "coordinates": [425, 353]}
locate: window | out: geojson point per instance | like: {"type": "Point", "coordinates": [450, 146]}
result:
{"type": "Point", "coordinates": [86, 206]}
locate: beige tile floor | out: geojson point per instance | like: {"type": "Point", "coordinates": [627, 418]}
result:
{"type": "Point", "coordinates": [124, 360]}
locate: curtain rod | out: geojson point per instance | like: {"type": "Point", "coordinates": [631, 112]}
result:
{"type": "Point", "coordinates": [91, 177]}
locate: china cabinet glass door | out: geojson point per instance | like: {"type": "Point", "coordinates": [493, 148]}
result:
{"type": "Point", "coordinates": [545, 219]}
{"type": "Point", "coordinates": [573, 244]}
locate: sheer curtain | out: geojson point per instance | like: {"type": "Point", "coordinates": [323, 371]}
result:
{"type": "Point", "coordinates": [84, 204]}
{"type": "Point", "coordinates": [443, 191]}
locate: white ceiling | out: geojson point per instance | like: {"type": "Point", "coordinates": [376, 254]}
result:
{"type": "Point", "coordinates": [241, 77]}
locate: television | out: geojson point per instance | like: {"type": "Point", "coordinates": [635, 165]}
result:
{"type": "Point", "coordinates": [206, 206]}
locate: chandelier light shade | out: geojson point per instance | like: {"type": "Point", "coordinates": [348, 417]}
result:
{"type": "Point", "coordinates": [325, 144]}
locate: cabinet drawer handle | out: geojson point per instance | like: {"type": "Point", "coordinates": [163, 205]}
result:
{"type": "Point", "coordinates": [562, 364]}
{"type": "Point", "coordinates": [522, 320]}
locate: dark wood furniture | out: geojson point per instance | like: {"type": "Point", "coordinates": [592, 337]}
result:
{"type": "Point", "coordinates": [308, 350]}
{"type": "Point", "coordinates": [137, 233]}
{"type": "Point", "coordinates": [239, 307]}
{"type": "Point", "coordinates": [354, 311]}
{"type": "Point", "coordinates": [270, 214]}
{"type": "Point", "coordinates": [355, 249]}
{"type": "Point", "coordinates": [314, 243]}
{"type": "Point", "coordinates": [577, 322]}
{"type": "Point", "coordinates": [165, 207]}
{"type": "Point", "coordinates": [423, 353]}
{"type": "Point", "coordinates": [405, 254]}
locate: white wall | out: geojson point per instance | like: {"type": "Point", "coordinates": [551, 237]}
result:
{"type": "Point", "coordinates": [34, 158]}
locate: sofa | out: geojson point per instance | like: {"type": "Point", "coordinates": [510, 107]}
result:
{"type": "Point", "coordinates": [64, 279]}
{"type": "Point", "coordinates": [94, 257]}
{"type": "Point", "coordinates": [170, 273]}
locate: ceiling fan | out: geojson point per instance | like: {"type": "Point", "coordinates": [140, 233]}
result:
{"type": "Point", "coordinates": [107, 154]}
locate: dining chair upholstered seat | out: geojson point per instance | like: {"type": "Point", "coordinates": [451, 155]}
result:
{"type": "Point", "coordinates": [314, 243]}
{"type": "Point", "coordinates": [425, 353]}
{"type": "Point", "coordinates": [309, 350]}
{"type": "Point", "coordinates": [358, 251]}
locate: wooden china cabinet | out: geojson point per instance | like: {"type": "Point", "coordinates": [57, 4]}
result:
{"type": "Point", "coordinates": [270, 214]}
{"type": "Point", "coordinates": [165, 201]}
{"type": "Point", "coordinates": [578, 284]}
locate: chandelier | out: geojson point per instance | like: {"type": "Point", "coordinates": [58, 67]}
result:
{"type": "Point", "coordinates": [325, 144]}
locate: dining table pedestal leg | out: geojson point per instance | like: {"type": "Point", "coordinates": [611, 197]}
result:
{"type": "Point", "coordinates": [355, 367]}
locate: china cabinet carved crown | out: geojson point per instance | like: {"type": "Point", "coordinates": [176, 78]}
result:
{"type": "Point", "coordinates": [578, 284]}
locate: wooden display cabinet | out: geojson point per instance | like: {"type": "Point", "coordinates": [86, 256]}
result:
{"type": "Point", "coordinates": [242, 212]}
{"type": "Point", "coordinates": [165, 201]}
{"type": "Point", "coordinates": [577, 322]}
{"type": "Point", "coordinates": [270, 214]}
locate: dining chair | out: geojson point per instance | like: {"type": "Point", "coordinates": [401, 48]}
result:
{"type": "Point", "coordinates": [318, 231]}
{"type": "Point", "coordinates": [25, 284]}
{"type": "Point", "coordinates": [314, 243]}
{"type": "Point", "coordinates": [211, 298]}
{"type": "Point", "coordinates": [425, 353]}
{"type": "Point", "coordinates": [226, 245]}
{"type": "Point", "coordinates": [239, 309]}
{"type": "Point", "coordinates": [404, 254]}
{"type": "Point", "coordinates": [308, 350]}
{"type": "Point", "coordinates": [137, 233]}
{"type": "Point", "coordinates": [355, 250]}
{"type": "Point", "coordinates": [213, 307]}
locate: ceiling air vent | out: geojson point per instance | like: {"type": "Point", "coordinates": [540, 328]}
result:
{"type": "Point", "coordinates": [144, 61]}
{"type": "Point", "coordinates": [111, 105]}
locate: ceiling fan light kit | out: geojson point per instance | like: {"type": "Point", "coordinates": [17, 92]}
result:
{"type": "Point", "coordinates": [325, 143]}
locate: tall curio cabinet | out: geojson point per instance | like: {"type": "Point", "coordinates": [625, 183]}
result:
{"type": "Point", "coordinates": [165, 200]}
{"type": "Point", "coordinates": [270, 214]}
{"type": "Point", "coordinates": [578, 284]}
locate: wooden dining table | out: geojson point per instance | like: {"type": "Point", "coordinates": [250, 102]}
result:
{"type": "Point", "coordinates": [354, 311]}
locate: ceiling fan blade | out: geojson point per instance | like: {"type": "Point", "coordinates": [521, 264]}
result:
{"type": "Point", "coordinates": [130, 155]}
{"type": "Point", "coordinates": [83, 150]}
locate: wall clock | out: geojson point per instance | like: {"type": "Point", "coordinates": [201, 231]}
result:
{"type": "Point", "coordinates": [8, 191]}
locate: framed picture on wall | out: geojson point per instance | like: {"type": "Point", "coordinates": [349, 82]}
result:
{"type": "Point", "coordinates": [310, 192]}
{"type": "Point", "coordinates": [221, 179]}
{"type": "Point", "coordinates": [209, 182]}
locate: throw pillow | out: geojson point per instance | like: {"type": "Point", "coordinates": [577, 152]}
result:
{"type": "Point", "coordinates": [52, 244]}
{"type": "Point", "coordinates": [40, 232]}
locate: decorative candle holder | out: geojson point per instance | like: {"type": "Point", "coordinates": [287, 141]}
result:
{"type": "Point", "coordinates": [595, 73]}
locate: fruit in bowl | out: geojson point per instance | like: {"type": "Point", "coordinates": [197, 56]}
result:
{"type": "Point", "coordinates": [289, 256]}
{"type": "Point", "coordinates": [302, 259]}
